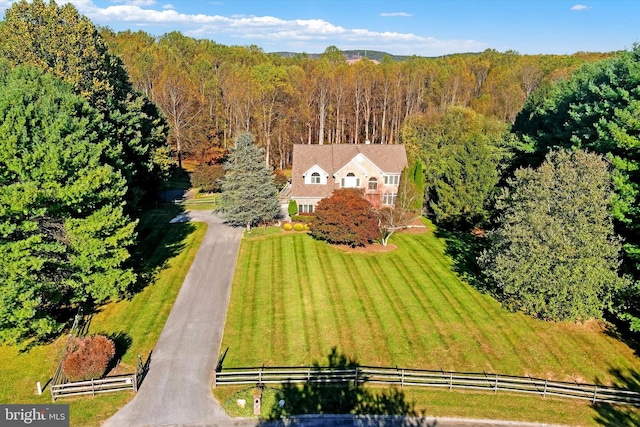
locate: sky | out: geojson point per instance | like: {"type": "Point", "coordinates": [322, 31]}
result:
{"type": "Point", "coordinates": [400, 27]}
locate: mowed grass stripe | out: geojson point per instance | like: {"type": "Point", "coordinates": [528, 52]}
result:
{"type": "Point", "coordinates": [408, 307]}
{"type": "Point", "coordinates": [338, 310]}
{"type": "Point", "coordinates": [475, 308]}
{"type": "Point", "coordinates": [365, 333]}
{"type": "Point", "coordinates": [371, 312]}
{"type": "Point", "coordinates": [401, 328]}
{"type": "Point", "coordinates": [298, 341]}
{"type": "Point", "coordinates": [515, 328]}
{"type": "Point", "coordinates": [310, 322]}
{"type": "Point", "coordinates": [455, 335]}
{"type": "Point", "coordinates": [322, 303]}
{"type": "Point", "coordinates": [427, 325]}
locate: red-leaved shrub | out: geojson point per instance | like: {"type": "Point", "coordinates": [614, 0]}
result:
{"type": "Point", "coordinates": [88, 358]}
{"type": "Point", "coordinates": [345, 218]}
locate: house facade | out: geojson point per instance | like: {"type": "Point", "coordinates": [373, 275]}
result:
{"type": "Point", "coordinates": [318, 170]}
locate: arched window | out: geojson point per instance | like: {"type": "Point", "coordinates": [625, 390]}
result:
{"type": "Point", "coordinates": [373, 184]}
{"type": "Point", "coordinates": [315, 178]}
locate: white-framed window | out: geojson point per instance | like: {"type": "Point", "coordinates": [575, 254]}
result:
{"type": "Point", "coordinates": [391, 179]}
{"type": "Point", "coordinates": [305, 208]}
{"type": "Point", "coordinates": [315, 178]}
{"type": "Point", "coordinates": [350, 181]}
{"type": "Point", "coordinates": [389, 199]}
{"type": "Point", "coordinates": [373, 184]}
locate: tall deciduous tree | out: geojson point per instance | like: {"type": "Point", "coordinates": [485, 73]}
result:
{"type": "Point", "coordinates": [63, 233]}
{"type": "Point", "coordinates": [60, 41]}
{"type": "Point", "coordinates": [249, 195]}
{"type": "Point", "coordinates": [555, 254]}
{"type": "Point", "coordinates": [345, 218]}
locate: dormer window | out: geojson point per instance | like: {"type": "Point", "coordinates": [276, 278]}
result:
{"type": "Point", "coordinates": [315, 175]}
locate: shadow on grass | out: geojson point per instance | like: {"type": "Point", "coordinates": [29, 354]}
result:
{"type": "Point", "coordinates": [158, 242]}
{"type": "Point", "coordinates": [464, 249]}
{"type": "Point", "coordinates": [620, 415]}
{"type": "Point", "coordinates": [321, 397]}
{"type": "Point", "coordinates": [122, 341]}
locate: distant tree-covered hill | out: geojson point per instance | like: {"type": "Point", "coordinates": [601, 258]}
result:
{"type": "Point", "coordinates": [374, 55]}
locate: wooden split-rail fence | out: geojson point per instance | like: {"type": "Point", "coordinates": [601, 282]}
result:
{"type": "Point", "coordinates": [130, 382]}
{"type": "Point", "coordinates": [61, 387]}
{"type": "Point", "coordinates": [425, 378]}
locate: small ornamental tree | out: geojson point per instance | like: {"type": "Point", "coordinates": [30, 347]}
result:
{"type": "Point", "coordinates": [88, 358]}
{"type": "Point", "coordinates": [406, 210]}
{"type": "Point", "coordinates": [345, 218]}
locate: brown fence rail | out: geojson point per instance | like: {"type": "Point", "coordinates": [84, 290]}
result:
{"type": "Point", "coordinates": [423, 378]}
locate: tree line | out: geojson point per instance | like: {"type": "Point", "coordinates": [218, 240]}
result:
{"type": "Point", "coordinates": [211, 92]}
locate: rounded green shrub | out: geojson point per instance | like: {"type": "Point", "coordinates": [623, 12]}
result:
{"type": "Point", "coordinates": [288, 226]}
{"type": "Point", "coordinates": [298, 227]}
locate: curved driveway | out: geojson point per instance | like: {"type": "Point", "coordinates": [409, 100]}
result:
{"type": "Point", "coordinates": [177, 388]}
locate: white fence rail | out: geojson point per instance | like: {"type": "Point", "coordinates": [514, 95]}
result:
{"type": "Point", "coordinates": [423, 378]}
{"type": "Point", "coordinates": [103, 385]}
{"type": "Point", "coordinates": [93, 387]}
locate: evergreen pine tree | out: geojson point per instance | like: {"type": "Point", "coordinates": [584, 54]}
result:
{"type": "Point", "coordinates": [249, 195]}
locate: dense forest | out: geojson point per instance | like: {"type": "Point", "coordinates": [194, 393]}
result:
{"type": "Point", "coordinates": [210, 92]}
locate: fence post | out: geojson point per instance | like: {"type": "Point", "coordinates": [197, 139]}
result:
{"type": "Point", "coordinates": [93, 389]}
{"type": "Point", "coordinates": [495, 388]}
{"type": "Point", "coordinates": [595, 392]}
{"type": "Point", "coordinates": [308, 374]}
{"type": "Point", "coordinates": [544, 392]}
{"type": "Point", "coordinates": [135, 382]}
{"type": "Point", "coordinates": [215, 382]}
{"type": "Point", "coordinates": [450, 381]}
{"type": "Point", "coordinates": [356, 378]}
{"type": "Point", "coordinates": [402, 379]}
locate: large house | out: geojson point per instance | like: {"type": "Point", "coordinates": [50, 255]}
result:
{"type": "Point", "coordinates": [318, 170]}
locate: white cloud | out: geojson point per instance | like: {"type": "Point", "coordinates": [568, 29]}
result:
{"type": "Point", "coordinates": [168, 6]}
{"type": "Point", "coordinates": [136, 2]}
{"type": "Point", "coordinates": [273, 34]}
{"type": "Point", "coordinates": [580, 7]}
{"type": "Point", "coordinates": [395, 14]}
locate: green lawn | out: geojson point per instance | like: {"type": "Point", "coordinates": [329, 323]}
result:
{"type": "Point", "coordinates": [295, 298]}
{"type": "Point", "coordinates": [167, 251]}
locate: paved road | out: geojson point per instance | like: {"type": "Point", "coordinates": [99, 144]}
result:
{"type": "Point", "coordinates": [177, 389]}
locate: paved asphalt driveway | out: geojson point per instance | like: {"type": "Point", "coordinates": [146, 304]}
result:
{"type": "Point", "coordinates": [177, 389]}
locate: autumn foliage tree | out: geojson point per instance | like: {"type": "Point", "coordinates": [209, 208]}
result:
{"type": "Point", "coordinates": [88, 358]}
{"type": "Point", "coordinates": [345, 218]}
